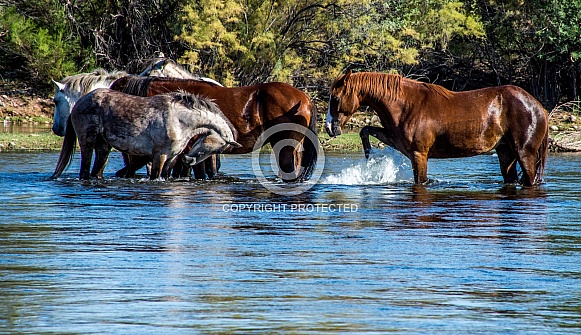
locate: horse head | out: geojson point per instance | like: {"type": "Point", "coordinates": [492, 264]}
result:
{"type": "Point", "coordinates": [168, 68]}
{"type": "Point", "coordinates": [62, 108]}
{"type": "Point", "coordinates": [206, 145]}
{"type": "Point", "coordinates": [155, 69]}
{"type": "Point", "coordinates": [165, 67]}
{"type": "Point", "coordinates": [343, 102]}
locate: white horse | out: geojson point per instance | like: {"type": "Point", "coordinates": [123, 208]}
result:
{"type": "Point", "coordinates": [70, 89]}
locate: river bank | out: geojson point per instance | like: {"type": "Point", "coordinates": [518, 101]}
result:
{"type": "Point", "coordinates": [22, 105]}
{"type": "Point", "coordinates": [44, 140]}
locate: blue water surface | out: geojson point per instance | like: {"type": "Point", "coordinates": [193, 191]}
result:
{"type": "Point", "coordinates": [354, 254]}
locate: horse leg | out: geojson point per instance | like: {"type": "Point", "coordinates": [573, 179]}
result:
{"type": "Point", "coordinates": [289, 159]}
{"type": "Point", "coordinates": [86, 158]}
{"type": "Point", "coordinates": [527, 161]}
{"type": "Point", "coordinates": [168, 166]}
{"type": "Point", "coordinates": [157, 165]}
{"type": "Point", "coordinates": [420, 167]}
{"type": "Point", "coordinates": [364, 134]}
{"type": "Point", "coordinates": [211, 166]}
{"type": "Point", "coordinates": [136, 163]}
{"type": "Point", "coordinates": [217, 163]}
{"type": "Point", "coordinates": [285, 146]}
{"type": "Point", "coordinates": [132, 164]}
{"type": "Point", "coordinates": [102, 150]}
{"type": "Point", "coordinates": [200, 170]}
{"type": "Point", "coordinates": [123, 171]}
{"type": "Point", "coordinates": [532, 155]}
{"type": "Point", "coordinates": [507, 160]}
{"type": "Point", "coordinates": [376, 132]}
{"type": "Point", "coordinates": [180, 169]}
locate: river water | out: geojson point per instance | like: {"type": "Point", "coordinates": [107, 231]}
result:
{"type": "Point", "coordinates": [363, 251]}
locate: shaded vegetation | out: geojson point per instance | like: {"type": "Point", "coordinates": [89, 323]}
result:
{"type": "Point", "coordinates": [458, 44]}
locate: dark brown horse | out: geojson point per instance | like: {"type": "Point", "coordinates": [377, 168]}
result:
{"type": "Point", "coordinates": [251, 110]}
{"type": "Point", "coordinates": [428, 121]}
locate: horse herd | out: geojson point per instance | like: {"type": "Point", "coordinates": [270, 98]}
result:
{"type": "Point", "coordinates": [177, 121]}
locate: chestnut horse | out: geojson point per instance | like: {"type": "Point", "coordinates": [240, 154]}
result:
{"type": "Point", "coordinates": [428, 121]}
{"type": "Point", "coordinates": [251, 110]}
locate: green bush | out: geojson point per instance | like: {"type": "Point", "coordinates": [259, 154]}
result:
{"type": "Point", "coordinates": [48, 50]}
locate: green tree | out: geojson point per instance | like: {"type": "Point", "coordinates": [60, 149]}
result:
{"type": "Point", "coordinates": [253, 41]}
{"type": "Point", "coordinates": [37, 45]}
{"type": "Point", "coordinates": [211, 30]}
{"type": "Point", "coordinates": [534, 44]}
{"type": "Point", "coordinates": [304, 41]}
{"type": "Point", "coordinates": [397, 35]}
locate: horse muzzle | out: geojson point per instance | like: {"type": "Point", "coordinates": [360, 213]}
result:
{"type": "Point", "coordinates": [333, 128]}
{"type": "Point", "coordinates": [58, 130]}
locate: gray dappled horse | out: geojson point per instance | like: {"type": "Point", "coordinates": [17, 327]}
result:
{"type": "Point", "coordinates": [159, 127]}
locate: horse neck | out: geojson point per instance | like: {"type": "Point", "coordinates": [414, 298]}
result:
{"type": "Point", "coordinates": [74, 94]}
{"type": "Point", "coordinates": [202, 118]}
{"type": "Point", "coordinates": [384, 98]}
{"type": "Point", "coordinates": [71, 96]}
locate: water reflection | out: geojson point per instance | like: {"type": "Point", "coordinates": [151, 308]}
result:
{"type": "Point", "coordinates": [10, 127]}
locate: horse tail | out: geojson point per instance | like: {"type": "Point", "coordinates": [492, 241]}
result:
{"type": "Point", "coordinates": [542, 155]}
{"type": "Point", "coordinates": [310, 149]}
{"type": "Point", "coordinates": [67, 150]}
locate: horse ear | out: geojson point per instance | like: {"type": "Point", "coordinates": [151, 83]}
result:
{"type": "Point", "coordinates": [60, 86]}
{"type": "Point", "coordinates": [159, 65]}
{"type": "Point", "coordinates": [347, 75]}
{"type": "Point", "coordinates": [340, 81]}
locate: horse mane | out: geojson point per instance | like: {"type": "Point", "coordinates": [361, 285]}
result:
{"type": "Point", "coordinates": [168, 68]}
{"type": "Point", "coordinates": [379, 84]}
{"type": "Point", "coordinates": [85, 82]}
{"type": "Point", "coordinates": [137, 85]}
{"type": "Point", "coordinates": [193, 101]}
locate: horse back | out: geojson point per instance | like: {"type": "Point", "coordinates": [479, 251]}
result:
{"type": "Point", "coordinates": [103, 107]}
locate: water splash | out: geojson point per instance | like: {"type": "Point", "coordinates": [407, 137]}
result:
{"type": "Point", "coordinates": [383, 167]}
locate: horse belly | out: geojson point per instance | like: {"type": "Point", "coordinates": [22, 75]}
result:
{"type": "Point", "coordinates": [443, 149]}
{"type": "Point", "coordinates": [466, 142]}
{"type": "Point", "coordinates": [132, 145]}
